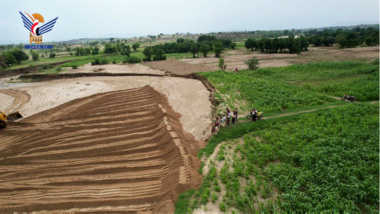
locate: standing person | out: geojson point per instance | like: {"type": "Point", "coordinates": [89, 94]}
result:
{"type": "Point", "coordinates": [227, 111]}
{"type": "Point", "coordinates": [236, 113]}
{"type": "Point", "coordinates": [228, 118]}
{"type": "Point", "coordinates": [236, 70]}
{"type": "Point", "coordinates": [253, 114]}
{"type": "Point", "coordinates": [234, 118]}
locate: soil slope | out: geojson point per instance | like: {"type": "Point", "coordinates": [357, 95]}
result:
{"type": "Point", "coordinates": [122, 151]}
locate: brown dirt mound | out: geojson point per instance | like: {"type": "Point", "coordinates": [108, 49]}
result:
{"type": "Point", "coordinates": [122, 151]}
{"type": "Point", "coordinates": [177, 67]}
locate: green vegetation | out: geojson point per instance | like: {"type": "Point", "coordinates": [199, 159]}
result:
{"type": "Point", "coordinates": [344, 38]}
{"type": "Point", "coordinates": [322, 161]}
{"type": "Point", "coordinates": [35, 56]}
{"type": "Point", "coordinates": [284, 45]}
{"type": "Point", "coordinates": [327, 37]}
{"type": "Point", "coordinates": [253, 63]}
{"type": "Point", "coordinates": [318, 162]}
{"type": "Point", "coordinates": [278, 89]}
{"type": "Point", "coordinates": [266, 95]}
{"type": "Point", "coordinates": [221, 64]}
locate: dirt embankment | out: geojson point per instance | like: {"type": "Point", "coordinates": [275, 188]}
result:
{"type": "Point", "coordinates": [121, 151]}
{"type": "Point", "coordinates": [187, 96]}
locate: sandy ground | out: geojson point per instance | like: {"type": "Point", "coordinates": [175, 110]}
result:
{"type": "Point", "coordinates": [114, 68]}
{"type": "Point", "coordinates": [121, 151]}
{"type": "Point", "coordinates": [188, 97]}
{"type": "Point", "coordinates": [236, 58]}
{"type": "Point", "coordinates": [6, 101]}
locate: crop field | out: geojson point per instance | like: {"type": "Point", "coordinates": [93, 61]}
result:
{"type": "Point", "coordinates": [321, 161]}
{"type": "Point", "coordinates": [296, 86]}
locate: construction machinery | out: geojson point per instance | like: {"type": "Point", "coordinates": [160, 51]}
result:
{"type": "Point", "coordinates": [4, 119]}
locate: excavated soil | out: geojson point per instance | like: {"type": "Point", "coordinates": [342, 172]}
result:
{"type": "Point", "coordinates": [189, 97]}
{"type": "Point", "coordinates": [177, 67]}
{"type": "Point", "coordinates": [122, 151]}
{"type": "Point", "coordinates": [114, 68]}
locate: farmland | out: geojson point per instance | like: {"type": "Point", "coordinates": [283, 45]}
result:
{"type": "Point", "coordinates": [322, 161]}
{"type": "Point", "coordinates": [318, 160]}
{"type": "Point", "coordinates": [296, 86]}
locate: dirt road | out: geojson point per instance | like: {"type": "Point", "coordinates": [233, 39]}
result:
{"type": "Point", "coordinates": [113, 152]}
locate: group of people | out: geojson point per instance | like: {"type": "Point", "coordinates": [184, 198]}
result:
{"type": "Point", "coordinates": [229, 117]}
{"type": "Point", "coordinates": [255, 115]}
{"type": "Point", "coordinates": [225, 120]}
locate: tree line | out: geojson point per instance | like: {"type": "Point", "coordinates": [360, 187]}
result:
{"type": "Point", "coordinates": [276, 45]}
{"type": "Point", "coordinates": [344, 38]}
{"type": "Point", "coordinates": [203, 45]}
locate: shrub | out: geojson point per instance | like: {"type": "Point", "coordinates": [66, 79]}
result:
{"type": "Point", "coordinates": [104, 61]}
{"type": "Point", "coordinates": [35, 56]}
{"type": "Point", "coordinates": [221, 65]}
{"type": "Point", "coordinates": [133, 59]}
{"type": "Point", "coordinates": [135, 46]}
{"type": "Point", "coordinates": [74, 66]}
{"type": "Point", "coordinates": [52, 55]}
{"type": "Point", "coordinates": [253, 64]}
{"type": "Point", "coordinates": [95, 62]}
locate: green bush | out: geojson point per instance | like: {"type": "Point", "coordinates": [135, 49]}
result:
{"type": "Point", "coordinates": [253, 64]}
{"type": "Point", "coordinates": [35, 56]}
{"type": "Point", "coordinates": [133, 59]}
{"type": "Point", "coordinates": [104, 61]}
{"type": "Point", "coordinates": [74, 66]}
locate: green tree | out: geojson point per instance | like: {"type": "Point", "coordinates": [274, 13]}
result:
{"type": "Point", "coordinates": [125, 50]}
{"type": "Point", "coordinates": [95, 51]}
{"type": "Point", "coordinates": [368, 41]}
{"type": "Point", "coordinates": [194, 49]}
{"type": "Point", "coordinates": [218, 48]}
{"type": "Point", "coordinates": [204, 48]}
{"type": "Point", "coordinates": [19, 55]}
{"type": "Point", "coordinates": [109, 48]}
{"type": "Point", "coordinates": [317, 41]}
{"type": "Point", "coordinates": [221, 64]}
{"type": "Point", "coordinates": [251, 44]}
{"type": "Point", "coordinates": [8, 59]}
{"type": "Point", "coordinates": [253, 63]}
{"type": "Point", "coordinates": [52, 55]}
{"type": "Point", "coordinates": [148, 53]}
{"type": "Point", "coordinates": [180, 40]}
{"type": "Point", "coordinates": [135, 46]}
{"type": "Point", "coordinates": [35, 56]}
{"type": "Point", "coordinates": [159, 54]}
{"type": "Point", "coordinates": [232, 45]}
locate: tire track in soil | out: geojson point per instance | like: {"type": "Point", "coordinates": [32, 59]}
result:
{"type": "Point", "coordinates": [121, 151]}
{"type": "Point", "coordinates": [20, 99]}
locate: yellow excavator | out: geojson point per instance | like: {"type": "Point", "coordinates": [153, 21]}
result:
{"type": "Point", "coordinates": [4, 119]}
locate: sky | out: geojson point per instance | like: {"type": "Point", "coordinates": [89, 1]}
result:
{"type": "Point", "coordinates": [130, 18]}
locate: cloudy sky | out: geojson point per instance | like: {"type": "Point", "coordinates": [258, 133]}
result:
{"type": "Point", "coordinates": [129, 18]}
